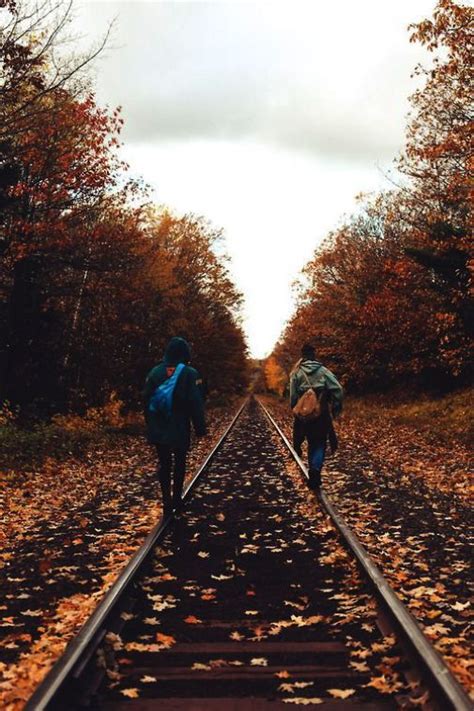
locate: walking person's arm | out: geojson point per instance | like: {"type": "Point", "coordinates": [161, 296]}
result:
{"type": "Point", "coordinates": [147, 390]}
{"type": "Point", "coordinates": [197, 406]}
{"type": "Point", "coordinates": [335, 390]}
{"type": "Point", "coordinates": [293, 390]}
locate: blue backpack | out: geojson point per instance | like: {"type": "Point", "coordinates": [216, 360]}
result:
{"type": "Point", "coordinates": [162, 399]}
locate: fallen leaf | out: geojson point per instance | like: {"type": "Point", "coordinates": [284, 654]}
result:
{"type": "Point", "coordinates": [460, 606]}
{"type": "Point", "coordinates": [131, 693]}
{"type": "Point", "coordinates": [291, 686]}
{"type": "Point", "coordinates": [341, 693]}
{"type": "Point", "coordinates": [302, 700]}
{"type": "Point", "coordinates": [360, 666]}
{"type": "Point", "coordinates": [165, 639]}
{"type": "Point", "coordinates": [259, 662]}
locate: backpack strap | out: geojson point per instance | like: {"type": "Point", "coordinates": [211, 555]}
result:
{"type": "Point", "coordinates": [306, 377]}
{"type": "Point", "coordinates": [162, 398]}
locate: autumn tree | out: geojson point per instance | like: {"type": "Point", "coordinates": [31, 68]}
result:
{"type": "Point", "coordinates": [92, 283]}
{"type": "Point", "coordinates": [195, 296]}
{"type": "Point", "coordinates": [387, 297]}
{"type": "Point", "coordinates": [66, 169]}
{"type": "Point", "coordinates": [276, 379]}
{"type": "Point", "coordinates": [438, 160]}
{"type": "Point", "coordinates": [367, 308]}
{"type": "Point", "coordinates": [57, 160]}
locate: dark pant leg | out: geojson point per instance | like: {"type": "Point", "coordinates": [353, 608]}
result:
{"type": "Point", "coordinates": [299, 434]}
{"type": "Point", "coordinates": [316, 455]}
{"type": "Point", "coordinates": [164, 473]}
{"type": "Point", "coordinates": [316, 433]}
{"type": "Point", "coordinates": [178, 474]}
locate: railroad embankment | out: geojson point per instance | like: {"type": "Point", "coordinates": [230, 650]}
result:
{"type": "Point", "coordinates": [445, 419]}
{"type": "Point", "coordinates": [72, 516]}
{"type": "Point", "coordinates": [402, 479]}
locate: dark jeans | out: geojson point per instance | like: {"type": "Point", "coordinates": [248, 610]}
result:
{"type": "Point", "coordinates": [316, 454]}
{"type": "Point", "coordinates": [316, 433]}
{"type": "Point", "coordinates": [166, 455]}
{"type": "Point", "coordinates": [299, 434]}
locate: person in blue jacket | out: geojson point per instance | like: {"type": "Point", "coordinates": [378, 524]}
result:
{"type": "Point", "coordinates": [170, 431]}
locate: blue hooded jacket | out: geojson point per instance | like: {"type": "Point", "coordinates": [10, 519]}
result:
{"type": "Point", "coordinates": [187, 405]}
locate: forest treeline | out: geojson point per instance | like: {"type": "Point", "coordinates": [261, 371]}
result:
{"type": "Point", "coordinates": [387, 296]}
{"type": "Point", "coordinates": [93, 278]}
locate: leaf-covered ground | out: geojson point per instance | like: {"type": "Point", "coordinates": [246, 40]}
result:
{"type": "Point", "coordinates": [252, 596]}
{"type": "Point", "coordinates": [406, 494]}
{"type": "Point", "coordinates": [68, 529]}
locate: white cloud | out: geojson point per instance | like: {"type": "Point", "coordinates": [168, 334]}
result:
{"type": "Point", "coordinates": [275, 207]}
{"type": "Point", "coordinates": [266, 117]}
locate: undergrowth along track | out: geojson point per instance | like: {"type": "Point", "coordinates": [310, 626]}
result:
{"type": "Point", "coordinates": [236, 604]}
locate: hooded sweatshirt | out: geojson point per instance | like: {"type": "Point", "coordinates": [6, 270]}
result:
{"type": "Point", "coordinates": [319, 378]}
{"type": "Point", "coordinates": [187, 400]}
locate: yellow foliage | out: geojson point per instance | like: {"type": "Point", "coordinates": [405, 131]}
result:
{"type": "Point", "coordinates": [275, 376]}
{"type": "Point", "coordinates": [109, 415]}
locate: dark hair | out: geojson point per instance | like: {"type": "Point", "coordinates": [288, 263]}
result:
{"type": "Point", "coordinates": [307, 352]}
{"type": "Point", "coordinates": [177, 351]}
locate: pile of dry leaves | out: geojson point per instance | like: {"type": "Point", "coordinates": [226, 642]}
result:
{"type": "Point", "coordinates": [67, 531]}
{"type": "Point", "coordinates": [407, 498]}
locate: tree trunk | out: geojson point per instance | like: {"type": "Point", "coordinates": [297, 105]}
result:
{"type": "Point", "coordinates": [18, 370]}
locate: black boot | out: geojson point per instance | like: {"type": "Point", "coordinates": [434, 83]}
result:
{"type": "Point", "coordinates": [178, 485]}
{"type": "Point", "coordinates": [314, 479]}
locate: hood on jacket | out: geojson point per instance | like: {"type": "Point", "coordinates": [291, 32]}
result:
{"type": "Point", "coordinates": [177, 351]}
{"type": "Point", "coordinates": [310, 366]}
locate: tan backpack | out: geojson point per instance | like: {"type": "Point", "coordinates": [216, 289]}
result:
{"type": "Point", "coordinates": [308, 406]}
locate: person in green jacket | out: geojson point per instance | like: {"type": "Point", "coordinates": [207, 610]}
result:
{"type": "Point", "coordinates": [170, 431]}
{"type": "Point", "coordinates": [310, 373]}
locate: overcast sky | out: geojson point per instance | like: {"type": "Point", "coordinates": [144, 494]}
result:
{"type": "Point", "coordinates": [268, 118]}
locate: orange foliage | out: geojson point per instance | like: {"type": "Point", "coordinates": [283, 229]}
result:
{"type": "Point", "coordinates": [389, 294]}
{"type": "Point", "coordinates": [275, 376]}
{"type": "Point", "coordinates": [93, 281]}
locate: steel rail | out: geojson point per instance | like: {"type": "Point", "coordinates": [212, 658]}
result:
{"type": "Point", "coordinates": [432, 668]}
{"type": "Point", "coordinates": [83, 645]}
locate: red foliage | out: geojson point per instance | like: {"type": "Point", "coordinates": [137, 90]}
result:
{"type": "Point", "coordinates": [389, 294]}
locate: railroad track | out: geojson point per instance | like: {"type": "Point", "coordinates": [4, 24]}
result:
{"type": "Point", "coordinates": [246, 601]}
